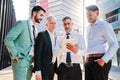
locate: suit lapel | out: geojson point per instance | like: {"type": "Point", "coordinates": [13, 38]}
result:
{"type": "Point", "coordinates": [29, 29]}
{"type": "Point", "coordinates": [48, 39]}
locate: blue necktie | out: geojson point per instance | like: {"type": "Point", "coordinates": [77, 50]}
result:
{"type": "Point", "coordinates": [68, 57]}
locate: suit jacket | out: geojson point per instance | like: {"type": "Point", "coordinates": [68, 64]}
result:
{"type": "Point", "coordinates": [43, 53]}
{"type": "Point", "coordinates": [18, 40]}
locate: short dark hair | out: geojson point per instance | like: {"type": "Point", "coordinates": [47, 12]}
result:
{"type": "Point", "coordinates": [92, 8]}
{"type": "Point", "coordinates": [67, 17]}
{"type": "Point", "coordinates": [37, 8]}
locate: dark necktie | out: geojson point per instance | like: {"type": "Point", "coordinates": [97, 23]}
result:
{"type": "Point", "coordinates": [33, 32]}
{"type": "Point", "coordinates": [68, 57]}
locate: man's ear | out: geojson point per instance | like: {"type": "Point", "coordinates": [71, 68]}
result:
{"type": "Point", "coordinates": [62, 24]}
{"type": "Point", "coordinates": [46, 24]}
{"type": "Point", "coordinates": [34, 13]}
{"type": "Point", "coordinates": [97, 12]}
{"type": "Point", "coordinates": [72, 23]}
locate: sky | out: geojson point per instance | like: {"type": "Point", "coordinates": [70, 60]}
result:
{"type": "Point", "coordinates": [22, 8]}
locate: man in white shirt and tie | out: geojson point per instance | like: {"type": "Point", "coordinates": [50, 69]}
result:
{"type": "Point", "coordinates": [69, 62]}
{"type": "Point", "coordinates": [101, 46]}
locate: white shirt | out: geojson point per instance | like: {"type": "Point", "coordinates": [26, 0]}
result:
{"type": "Point", "coordinates": [75, 58]}
{"type": "Point", "coordinates": [52, 38]}
{"type": "Point", "coordinates": [101, 39]}
{"type": "Point", "coordinates": [36, 33]}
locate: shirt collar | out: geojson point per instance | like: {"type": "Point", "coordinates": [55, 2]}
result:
{"type": "Point", "coordinates": [96, 22]}
{"type": "Point", "coordinates": [31, 22]}
{"type": "Point", "coordinates": [69, 32]}
{"type": "Point", "coordinates": [50, 33]}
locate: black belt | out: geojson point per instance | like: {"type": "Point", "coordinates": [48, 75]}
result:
{"type": "Point", "coordinates": [70, 65]}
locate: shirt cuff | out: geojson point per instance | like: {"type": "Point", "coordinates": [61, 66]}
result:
{"type": "Point", "coordinates": [31, 51]}
{"type": "Point", "coordinates": [106, 59]}
{"type": "Point", "coordinates": [38, 73]}
{"type": "Point", "coordinates": [81, 52]}
{"type": "Point", "coordinates": [53, 59]}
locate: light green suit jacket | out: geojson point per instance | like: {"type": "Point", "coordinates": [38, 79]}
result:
{"type": "Point", "coordinates": [18, 40]}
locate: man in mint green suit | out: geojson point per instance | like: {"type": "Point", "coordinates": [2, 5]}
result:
{"type": "Point", "coordinates": [20, 44]}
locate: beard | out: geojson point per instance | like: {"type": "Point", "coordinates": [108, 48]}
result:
{"type": "Point", "coordinates": [37, 20]}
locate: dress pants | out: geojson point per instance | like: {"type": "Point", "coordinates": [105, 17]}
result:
{"type": "Point", "coordinates": [22, 70]}
{"type": "Point", "coordinates": [69, 73]}
{"type": "Point", "coordinates": [93, 71]}
{"type": "Point", "coordinates": [50, 74]}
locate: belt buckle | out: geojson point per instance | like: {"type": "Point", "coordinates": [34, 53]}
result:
{"type": "Point", "coordinates": [69, 65]}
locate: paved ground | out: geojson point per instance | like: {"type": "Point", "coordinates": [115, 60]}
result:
{"type": "Point", "coordinates": [6, 74]}
{"type": "Point", "coordinates": [115, 73]}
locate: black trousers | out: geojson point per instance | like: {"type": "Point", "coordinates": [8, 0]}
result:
{"type": "Point", "coordinates": [93, 71]}
{"type": "Point", "coordinates": [50, 74]}
{"type": "Point", "coordinates": [69, 73]}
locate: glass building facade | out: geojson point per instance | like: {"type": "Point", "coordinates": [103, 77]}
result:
{"type": "Point", "coordinates": [7, 20]}
{"type": "Point", "coordinates": [62, 8]}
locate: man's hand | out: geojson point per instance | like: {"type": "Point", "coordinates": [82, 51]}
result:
{"type": "Point", "coordinates": [100, 62]}
{"type": "Point", "coordinates": [73, 48]}
{"type": "Point", "coordinates": [17, 59]}
{"type": "Point", "coordinates": [38, 77]}
{"type": "Point", "coordinates": [85, 59]}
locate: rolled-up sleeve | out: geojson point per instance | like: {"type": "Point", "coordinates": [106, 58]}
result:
{"type": "Point", "coordinates": [111, 39]}
{"type": "Point", "coordinates": [81, 44]}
